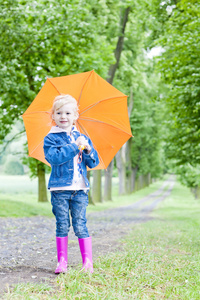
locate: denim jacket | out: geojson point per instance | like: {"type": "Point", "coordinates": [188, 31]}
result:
{"type": "Point", "coordinates": [59, 151]}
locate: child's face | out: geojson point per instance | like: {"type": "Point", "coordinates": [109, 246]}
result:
{"type": "Point", "coordinates": [64, 117]}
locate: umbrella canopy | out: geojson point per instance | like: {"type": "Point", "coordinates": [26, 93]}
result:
{"type": "Point", "coordinates": [103, 114]}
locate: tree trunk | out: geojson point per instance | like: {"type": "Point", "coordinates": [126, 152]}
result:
{"type": "Point", "coordinates": [96, 187]}
{"type": "Point", "coordinates": [108, 182]}
{"type": "Point", "coordinates": [129, 177]}
{"type": "Point", "coordinates": [111, 74]}
{"type": "Point", "coordinates": [136, 184]}
{"type": "Point", "coordinates": [142, 181]}
{"type": "Point", "coordinates": [196, 192]}
{"type": "Point", "coordinates": [42, 191]}
{"type": "Point", "coordinates": [149, 179]}
{"type": "Point", "coordinates": [89, 193]}
{"type": "Point", "coordinates": [120, 43]}
{"type": "Point", "coordinates": [133, 179]}
{"type": "Point", "coordinates": [121, 166]}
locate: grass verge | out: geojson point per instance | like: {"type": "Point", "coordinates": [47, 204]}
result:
{"type": "Point", "coordinates": [160, 261]}
{"type": "Point", "coordinates": [25, 204]}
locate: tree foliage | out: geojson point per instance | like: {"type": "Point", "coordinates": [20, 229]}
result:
{"type": "Point", "coordinates": [180, 69]}
{"type": "Point", "coordinates": [47, 38]}
{"type": "Point", "coordinates": [147, 125]}
{"type": "Point", "coordinates": [13, 167]}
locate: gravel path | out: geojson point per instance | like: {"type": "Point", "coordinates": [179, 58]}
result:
{"type": "Point", "coordinates": [27, 245]}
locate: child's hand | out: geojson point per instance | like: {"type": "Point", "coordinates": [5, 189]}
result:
{"type": "Point", "coordinates": [81, 141]}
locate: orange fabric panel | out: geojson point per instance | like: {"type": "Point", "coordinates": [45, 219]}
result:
{"type": "Point", "coordinates": [37, 127]}
{"type": "Point", "coordinates": [71, 84]}
{"type": "Point", "coordinates": [106, 139]}
{"type": "Point", "coordinates": [97, 89]}
{"type": "Point", "coordinates": [44, 99]}
{"type": "Point", "coordinates": [112, 111]}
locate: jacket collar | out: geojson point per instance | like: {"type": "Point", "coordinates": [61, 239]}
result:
{"type": "Point", "coordinates": [56, 129]}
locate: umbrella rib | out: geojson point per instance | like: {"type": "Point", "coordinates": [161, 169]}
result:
{"type": "Point", "coordinates": [97, 121]}
{"type": "Point", "coordinates": [86, 133]}
{"type": "Point", "coordinates": [36, 147]}
{"type": "Point", "coordinates": [84, 86]}
{"type": "Point", "coordinates": [54, 86]}
{"type": "Point", "coordinates": [91, 106]}
{"type": "Point", "coordinates": [83, 129]}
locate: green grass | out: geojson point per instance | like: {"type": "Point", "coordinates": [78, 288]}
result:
{"type": "Point", "coordinates": [18, 209]}
{"type": "Point", "coordinates": [160, 261]}
{"type": "Point", "coordinates": [14, 184]}
{"type": "Point", "coordinates": [18, 198]}
{"type": "Point", "coordinates": [124, 200]}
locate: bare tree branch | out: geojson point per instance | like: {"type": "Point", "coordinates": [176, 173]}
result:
{"type": "Point", "coordinates": [11, 140]}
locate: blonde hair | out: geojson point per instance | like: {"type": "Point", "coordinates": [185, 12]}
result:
{"type": "Point", "coordinates": [63, 99]}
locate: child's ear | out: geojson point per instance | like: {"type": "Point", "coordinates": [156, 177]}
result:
{"type": "Point", "coordinates": [74, 122]}
{"type": "Point", "coordinates": [76, 117]}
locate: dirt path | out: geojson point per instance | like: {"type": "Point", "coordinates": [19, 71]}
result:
{"type": "Point", "coordinates": [27, 245]}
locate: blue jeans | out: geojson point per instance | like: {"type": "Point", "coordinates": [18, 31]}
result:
{"type": "Point", "coordinates": [75, 202]}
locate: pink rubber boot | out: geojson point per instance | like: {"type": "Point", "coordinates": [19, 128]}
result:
{"type": "Point", "coordinates": [62, 244]}
{"type": "Point", "coordinates": [86, 252]}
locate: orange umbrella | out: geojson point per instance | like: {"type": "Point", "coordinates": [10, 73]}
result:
{"type": "Point", "coordinates": [103, 114]}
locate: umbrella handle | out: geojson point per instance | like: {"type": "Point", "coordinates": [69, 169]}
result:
{"type": "Point", "coordinates": [81, 148]}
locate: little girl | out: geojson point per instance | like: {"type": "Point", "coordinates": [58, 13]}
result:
{"type": "Point", "coordinates": [68, 181]}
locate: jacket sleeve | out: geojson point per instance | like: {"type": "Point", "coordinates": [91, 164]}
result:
{"type": "Point", "coordinates": [91, 159]}
{"type": "Point", "coordinates": [58, 154]}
